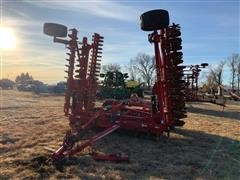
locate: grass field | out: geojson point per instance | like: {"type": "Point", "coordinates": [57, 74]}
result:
{"type": "Point", "coordinates": [207, 147]}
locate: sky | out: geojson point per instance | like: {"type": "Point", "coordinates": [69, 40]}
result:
{"type": "Point", "coordinates": [210, 32]}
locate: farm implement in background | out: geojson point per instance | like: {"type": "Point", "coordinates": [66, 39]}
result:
{"type": "Point", "coordinates": [114, 86]}
{"type": "Point", "coordinates": [167, 106]}
{"type": "Point", "coordinates": [191, 76]}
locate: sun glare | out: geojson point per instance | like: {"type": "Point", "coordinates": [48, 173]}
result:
{"type": "Point", "coordinates": [7, 38]}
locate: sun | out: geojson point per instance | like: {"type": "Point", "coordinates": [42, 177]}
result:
{"type": "Point", "coordinates": [7, 38]}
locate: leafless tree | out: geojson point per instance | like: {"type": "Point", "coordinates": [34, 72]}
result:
{"type": "Point", "coordinates": [217, 72]}
{"type": "Point", "coordinates": [214, 78]}
{"type": "Point", "coordinates": [111, 68]}
{"type": "Point", "coordinates": [210, 83]}
{"type": "Point", "coordinates": [233, 63]}
{"type": "Point", "coordinates": [145, 66]}
{"type": "Point", "coordinates": [132, 72]}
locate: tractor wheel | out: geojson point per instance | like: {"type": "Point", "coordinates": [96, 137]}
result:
{"type": "Point", "coordinates": [56, 30]}
{"type": "Point", "coordinates": [204, 64]}
{"type": "Point", "coordinates": [154, 20]}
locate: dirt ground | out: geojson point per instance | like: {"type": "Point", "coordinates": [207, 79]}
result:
{"type": "Point", "coordinates": [207, 147]}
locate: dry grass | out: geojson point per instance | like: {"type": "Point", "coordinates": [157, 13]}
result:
{"type": "Point", "coordinates": [207, 147]}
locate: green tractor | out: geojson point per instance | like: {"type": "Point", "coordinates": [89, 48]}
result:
{"type": "Point", "coordinates": [115, 87]}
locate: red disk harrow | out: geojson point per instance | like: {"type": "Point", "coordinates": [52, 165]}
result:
{"type": "Point", "coordinates": [167, 106]}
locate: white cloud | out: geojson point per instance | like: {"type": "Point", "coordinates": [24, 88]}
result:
{"type": "Point", "coordinates": [106, 9]}
{"type": "Point", "coordinates": [20, 22]}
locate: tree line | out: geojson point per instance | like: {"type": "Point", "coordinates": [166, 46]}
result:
{"type": "Point", "coordinates": [141, 68]}
{"type": "Point", "coordinates": [215, 76]}
{"type": "Point", "coordinates": [22, 81]}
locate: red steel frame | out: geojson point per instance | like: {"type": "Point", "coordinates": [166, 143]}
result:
{"type": "Point", "coordinates": [79, 104]}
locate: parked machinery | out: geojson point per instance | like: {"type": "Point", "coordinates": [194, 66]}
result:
{"type": "Point", "coordinates": [167, 107]}
{"type": "Point", "coordinates": [191, 76]}
{"type": "Point", "coordinates": [114, 86]}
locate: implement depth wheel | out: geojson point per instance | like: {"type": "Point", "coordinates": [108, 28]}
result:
{"type": "Point", "coordinates": [56, 30]}
{"type": "Point", "coordinates": [154, 20]}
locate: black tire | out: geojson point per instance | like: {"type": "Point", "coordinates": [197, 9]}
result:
{"type": "Point", "coordinates": [204, 64]}
{"type": "Point", "coordinates": [154, 20]}
{"type": "Point", "coordinates": [56, 30]}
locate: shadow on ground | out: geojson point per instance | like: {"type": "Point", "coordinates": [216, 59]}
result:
{"type": "Point", "coordinates": [229, 114]}
{"type": "Point", "coordinates": [186, 154]}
